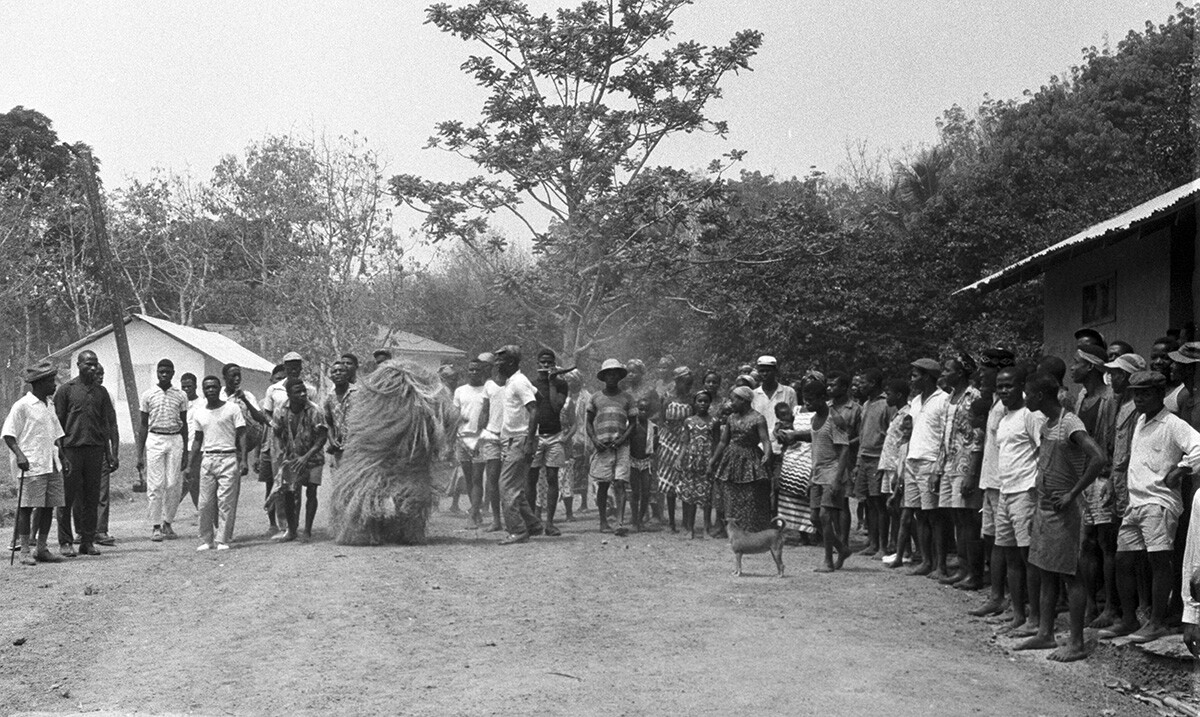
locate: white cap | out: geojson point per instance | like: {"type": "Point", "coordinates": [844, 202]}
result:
{"type": "Point", "coordinates": [766, 361]}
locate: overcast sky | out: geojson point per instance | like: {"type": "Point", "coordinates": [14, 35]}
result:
{"type": "Point", "coordinates": [177, 85]}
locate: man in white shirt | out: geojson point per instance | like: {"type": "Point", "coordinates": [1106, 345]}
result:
{"type": "Point", "coordinates": [770, 393]}
{"type": "Point", "coordinates": [1018, 437]}
{"type": "Point", "coordinates": [34, 436]}
{"type": "Point", "coordinates": [928, 409]}
{"type": "Point", "coordinates": [218, 462]}
{"type": "Point", "coordinates": [470, 400]}
{"type": "Point", "coordinates": [518, 438]}
{"type": "Point", "coordinates": [488, 446]}
{"type": "Point", "coordinates": [1164, 449]}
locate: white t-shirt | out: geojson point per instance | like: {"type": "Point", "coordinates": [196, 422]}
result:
{"type": "Point", "coordinates": [989, 472]}
{"type": "Point", "coordinates": [1018, 437]}
{"type": "Point", "coordinates": [469, 400]}
{"type": "Point", "coordinates": [515, 394]}
{"type": "Point", "coordinates": [495, 409]}
{"type": "Point", "coordinates": [219, 425]}
{"type": "Point", "coordinates": [929, 423]}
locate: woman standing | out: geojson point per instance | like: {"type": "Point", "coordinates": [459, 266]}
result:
{"type": "Point", "coordinates": [695, 483]}
{"type": "Point", "coordinates": [743, 486]}
{"type": "Point", "coordinates": [677, 409]}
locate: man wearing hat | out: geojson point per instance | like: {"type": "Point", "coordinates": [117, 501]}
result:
{"type": "Point", "coordinates": [162, 449]}
{"type": "Point", "coordinates": [1182, 399]}
{"type": "Point", "coordinates": [610, 422]}
{"type": "Point", "coordinates": [768, 394]}
{"type": "Point", "coordinates": [1163, 450]}
{"type": "Point", "coordinates": [928, 409]}
{"type": "Point", "coordinates": [518, 439]}
{"type": "Point", "coordinates": [1094, 405]}
{"type": "Point", "coordinates": [33, 435]}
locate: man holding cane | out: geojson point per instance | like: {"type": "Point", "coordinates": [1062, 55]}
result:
{"type": "Point", "coordinates": [34, 435]}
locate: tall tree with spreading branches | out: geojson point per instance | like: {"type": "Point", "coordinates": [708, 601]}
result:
{"type": "Point", "coordinates": [578, 104]}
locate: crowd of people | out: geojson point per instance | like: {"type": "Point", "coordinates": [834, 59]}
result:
{"type": "Point", "coordinates": [1042, 488]}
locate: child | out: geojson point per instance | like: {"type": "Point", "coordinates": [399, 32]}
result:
{"type": "Point", "coordinates": [610, 415]}
{"type": "Point", "coordinates": [903, 514]}
{"type": "Point", "coordinates": [891, 465]}
{"type": "Point", "coordinates": [694, 483]}
{"type": "Point", "coordinates": [642, 444]}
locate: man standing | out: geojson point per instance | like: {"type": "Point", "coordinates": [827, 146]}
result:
{"type": "Point", "coordinates": [84, 410]}
{"type": "Point", "coordinates": [337, 408]}
{"type": "Point", "coordinates": [273, 400]}
{"type": "Point", "coordinates": [187, 384]}
{"type": "Point", "coordinates": [928, 409]}
{"type": "Point", "coordinates": [162, 449]}
{"type": "Point", "coordinates": [102, 505]}
{"type": "Point", "coordinates": [299, 431]}
{"type": "Point", "coordinates": [874, 419]}
{"type": "Point", "coordinates": [767, 395]}
{"type": "Point", "coordinates": [1164, 449]}
{"type": "Point", "coordinates": [351, 361]}
{"type": "Point", "coordinates": [488, 448]}
{"type": "Point", "coordinates": [220, 437]}
{"type": "Point", "coordinates": [550, 453]}
{"type": "Point", "coordinates": [1094, 405]}
{"type": "Point", "coordinates": [518, 437]}
{"type": "Point", "coordinates": [33, 435]}
{"type": "Point", "coordinates": [470, 399]}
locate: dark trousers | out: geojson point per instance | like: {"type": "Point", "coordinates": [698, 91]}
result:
{"type": "Point", "coordinates": [82, 492]}
{"type": "Point", "coordinates": [102, 503]}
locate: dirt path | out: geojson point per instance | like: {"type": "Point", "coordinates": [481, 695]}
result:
{"type": "Point", "coordinates": [583, 624]}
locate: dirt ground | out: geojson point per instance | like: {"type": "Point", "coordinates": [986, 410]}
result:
{"type": "Point", "coordinates": [582, 624]}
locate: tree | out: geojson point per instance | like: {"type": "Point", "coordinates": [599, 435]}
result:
{"type": "Point", "coordinates": [577, 107]}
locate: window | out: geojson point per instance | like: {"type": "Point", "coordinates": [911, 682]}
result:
{"type": "Point", "coordinates": [1099, 301]}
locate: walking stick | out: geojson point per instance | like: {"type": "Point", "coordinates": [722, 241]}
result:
{"type": "Point", "coordinates": [12, 554]}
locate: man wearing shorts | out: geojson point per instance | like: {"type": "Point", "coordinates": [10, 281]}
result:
{"type": "Point", "coordinates": [488, 447]}
{"type": "Point", "coordinates": [299, 432]}
{"type": "Point", "coordinates": [827, 492]}
{"type": "Point", "coordinates": [550, 453]}
{"type": "Point", "coordinates": [1018, 437]}
{"type": "Point", "coordinates": [874, 418]}
{"type": "Point", "coordinates": [989, 486]}
{"type": "Point", "coordinates": [470, 400]}
{"type": "Point", "coordinates": [610, 416]}
{"type": "Point", "coordinates": [928, 409]}
{"type": "Point", "coordinates": [1164, 449]}
{"type": "Point", "coordinates": [33, 436]}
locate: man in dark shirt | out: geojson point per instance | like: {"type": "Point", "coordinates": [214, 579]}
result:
{"type": "Point", "coordinates": [550, 452]}
{"type": "Point", "coordinates": [85, 411]}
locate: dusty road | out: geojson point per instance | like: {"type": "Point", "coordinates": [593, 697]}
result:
{"type": "Point", "coordinates": [582, 624]}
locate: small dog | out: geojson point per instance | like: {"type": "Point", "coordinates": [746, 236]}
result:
{"type": "Point", "coordinates": [764, 541]}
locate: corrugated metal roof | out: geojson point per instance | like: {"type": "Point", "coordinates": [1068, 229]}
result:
{"type": "Point", "coordinates": [221, 348]}
{"type": "Point", "coordinates": [403, 341]}
{"type": "Point", "coordinates": [1033, 265]}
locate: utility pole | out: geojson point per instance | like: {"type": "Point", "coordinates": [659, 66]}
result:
{"type": "Point", "coordinates": [108, 274]}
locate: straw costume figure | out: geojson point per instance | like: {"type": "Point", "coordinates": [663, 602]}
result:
{"type": "Point", "coordinates": [400, 425]}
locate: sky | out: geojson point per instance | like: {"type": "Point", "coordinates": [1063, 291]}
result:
{"type": "Point", "coordinates": [178, 85]}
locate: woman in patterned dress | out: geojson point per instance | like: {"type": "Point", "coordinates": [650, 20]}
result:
{"type": "Point", "coordinates": [677, 408]}
{"type": "Point", "coordinates": [743, 486]}
{"type": "Point", "coordinates": [795, 473]}
{"type": "Point", "coordinates": [695, 484]}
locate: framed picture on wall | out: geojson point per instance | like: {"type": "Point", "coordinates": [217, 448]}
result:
{"type": "Point", "coordinates": [1099, 301]}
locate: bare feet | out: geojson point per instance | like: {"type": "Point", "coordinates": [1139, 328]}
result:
{"type": "Point", "coordinates": [897, 563]}
{"type": "Point", "coordinates": [1148, 633]}
{"type": "Point", "coordinates": [1118, 629]}
{"type": "Point", "coordinates": [940, 576]}
{"type": "Point", "coordinates": [993, 606]}
{"type": "Point", "coordinates": [1037, 642]}
{"type": "Point", "coordinates": [841, 560]}
{"type": "Point", "coordinates": [922, 569]}
{"type": "Point", "coordinates": [870, 551]}
{"type": "Point", "coordinates": [1068, 653]}
{"type": "Point", "coordinates": [952, 579]}
{"type": "Point", "coordinates": [826, 568]}
{"type": "Point", "coordinates": [1103, 620]}
{"type": "Point", "coordinates": [1029, 629]}
{"type": "Point", "coordinates": [970, 583]}
{"type": "Point", "coordinates": [605, 527]}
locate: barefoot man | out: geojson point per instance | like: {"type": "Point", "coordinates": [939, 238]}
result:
{"type": "Point", "coordinates": [1069, 460]}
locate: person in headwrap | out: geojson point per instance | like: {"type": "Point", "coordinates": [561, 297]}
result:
{"type": "Point", "coordinates": [743, 486]}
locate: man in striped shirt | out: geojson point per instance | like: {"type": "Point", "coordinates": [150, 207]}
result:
{"type": "Point", "coordinates": [162, 449]}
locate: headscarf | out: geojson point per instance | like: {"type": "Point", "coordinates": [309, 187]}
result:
{"type": "Point", "coordinates": [743, 392]}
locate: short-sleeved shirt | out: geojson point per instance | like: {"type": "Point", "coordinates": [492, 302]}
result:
{"type": "Point", "coordinates": [825, 441]}
{"type": "Point", "coordinates": [219, 425]}
{"type": "Point", "coordinates": [86, 414]}
{"type": "Point", "coordinates": [295, 433]}
{"type": "Point", "coordinates": [845, 419]}
{"type": "Point", "coordinates": [611, 414]}
{"type": "Point", "coordinates": [1160, 443]}
{"type": "Point", "coordinates": [1060, 462]}
{"type": "Point", "coordinates": [516, 393]}
{"type": "Point", "coordinates": [164, 406]}
{"type": "Point", "coordinates": [34, 425]}
{"type": "Point", "coordinates": [337, 408]}
{"type": "Point", "coordinates": [929, 425]}
{"type": "Point", "coordinates": [895, 448]}
{"type": "Point", "coordinates": [765, 405]}
{"type": "Point", "coordinates": [989, 471]}
{"type": "Point", "coordinates": [1018, 437]}
{"type": "Point", "coordinates": [468, 401]}
{"type": "Point", "coordinates": [277, 395]}
{"type": "Point", "coordinates": [495, 420]}
{"type": "Point", "coordinates": [873, 424]}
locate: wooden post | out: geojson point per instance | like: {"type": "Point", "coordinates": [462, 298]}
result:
{"type": "Point", "coordinates": [108, 274]}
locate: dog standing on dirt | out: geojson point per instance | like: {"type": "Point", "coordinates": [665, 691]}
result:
{"type": "Point", "coordinates": [763, 541]}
